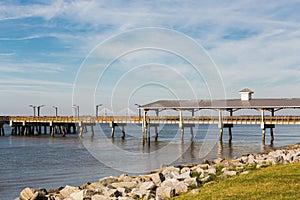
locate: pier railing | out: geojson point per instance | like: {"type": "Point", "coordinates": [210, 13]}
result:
{"type": "Point", "coordinates": [156, 119]}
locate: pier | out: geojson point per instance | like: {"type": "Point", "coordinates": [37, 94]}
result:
{"type": "Point", "coordinates": [224, 117]}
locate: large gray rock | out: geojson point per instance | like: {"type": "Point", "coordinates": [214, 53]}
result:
{"type": "Point", "coordinates": [165, 192]}
{"type": "Point", "coordinates": [180, 187]}
{"type": "Point", "coordinates": [77, 195]}
{"type": "Point", "coordinates": [171, 172]}
{"type": "Point", "coordinates": [68, 190]}
{"type": "Point", "coordinates": [157, 178]}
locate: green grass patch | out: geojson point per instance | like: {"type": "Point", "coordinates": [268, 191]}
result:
{"type": "Point", "coordinates": [273, 182]}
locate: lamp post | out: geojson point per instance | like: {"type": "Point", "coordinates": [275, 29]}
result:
{"type": "Point", "coordinates": [33, 107]}
{"type": "Point", "coordinates": [38, 109]}
{"type": "Point", "coordinates": [55, 107]}
{"type": "Point", "coordinates": [97, 107]}
{"type": "Point", "coordinates": [139, 108]}
{"type": "Point", "coordinates": [76, 107]}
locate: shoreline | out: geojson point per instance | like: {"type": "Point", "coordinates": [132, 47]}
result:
{"type": "Point", "coordinates": [168, 181]}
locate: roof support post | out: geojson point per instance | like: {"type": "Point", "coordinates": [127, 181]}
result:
{"type": "Point", "coordinates": [155, 127]}
{"type": "Point", "coordinates": [229, 127]}
{"type": "Point", "coordinates": [271, 129]}
{"type": "Point", "coordinates": [262, 126]}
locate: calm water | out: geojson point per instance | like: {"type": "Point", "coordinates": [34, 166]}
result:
{"type": "Point", "coordinates": [52, 162]}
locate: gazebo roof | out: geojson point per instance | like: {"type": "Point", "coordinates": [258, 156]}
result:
{"type": "Point", "coordinates": [224, 104]}
{"type": "Point", "coordinates": [246, 90]}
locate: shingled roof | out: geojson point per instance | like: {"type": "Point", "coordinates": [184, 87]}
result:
{"type": "Point", "coordinates": [224, 104]}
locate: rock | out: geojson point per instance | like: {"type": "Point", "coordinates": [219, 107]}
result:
{"type": "Point", "coordinates": [68, 190]}
{"type": "Point", "coordinates": [77, 195]}
{"type": "Point", "coordinates": [125, 198]}
{"type": "Point", "coordinates": [206, 179]}
{"type": "Point", "coordinates": [99, 197]}
{"type": "Point", "coordinates": [218, 161]}
{"type": "Point", "coordinates": [27, 193]}
{"type": "Point", "coordinates": [165, 192]}
{"type": "Point", "coordinates": [244, 159]}
{"type": "Point", "coordinates": [147, 186]}
{"type": "Point", "coordinates": [55, 190]}
{"type": "Point", "coordinates": [139, 193]}
{"type": "Point", "coordinates": [169, 182]}
{"type": "Point", "coordinates": [204, 174]}
{"type": "Point", "coordinates": [171, 172]}
{"type": "Point", "coordinates": [198, 170]}
{"type": "Point", "coordinates": [194, 191]}
{"type": "Point", "coordinates": [129, 185]}
{"type": "Point", "coordinates": [184, 175]}
{"type": "Point", "coordinates": [180, 187]}
{"type": "Point", "coordinates": [245, 172]}
{"type": "Point", "coordinates": [229, 173]}
{"type": "Point", "coordinates": [33, 194]}
{"type": "Point", "coordinates": [203, 166]}
{"type": "Point", "coordinates": [185, 169]}
{"type": "Point", "coordinates": [94, 186]}
{"type": "Point", "coordinates": [191, 182]}
{"type": "Point", "coordinates": [149, 196]}
{"type": "Point", "coordinates": [112, 193]}
{"type": "Point", "coordinates": [211, 170]}
{"type": "Point", "coordinates": [157, 178]}
{"type": "Point", "coordinates": [124, 191]}
{"type": "Point", "coordinates": [108, 180]}
{"type": "Point", "coordinates": [124, 178]}
{"type": "Point", "coordinates": [251, 159]}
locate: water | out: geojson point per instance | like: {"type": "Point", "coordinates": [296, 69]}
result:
{"type": "Point", "coordinates": [53, 162]}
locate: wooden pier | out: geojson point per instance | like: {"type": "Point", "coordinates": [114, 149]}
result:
{"type": "Point", "coordinates": [224, 118]}
{"type": "Point", "coordinates": [28, 125]}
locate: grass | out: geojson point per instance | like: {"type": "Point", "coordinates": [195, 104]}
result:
{"type": "Point", "coordinates": [273, 182]}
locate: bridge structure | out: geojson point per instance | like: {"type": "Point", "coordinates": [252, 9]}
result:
{"type": "Point", "coordinates": [35, 125]}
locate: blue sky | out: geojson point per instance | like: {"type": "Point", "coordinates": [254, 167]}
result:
{"type": "Point", "coordinates": [43, 45]}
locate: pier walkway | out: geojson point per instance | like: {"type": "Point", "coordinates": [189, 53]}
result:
{"type": "Point", "coordinates": [29, 125]}
{"type": "Point", "coordinates": [32, 125]}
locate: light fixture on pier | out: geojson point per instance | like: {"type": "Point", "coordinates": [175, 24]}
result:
{"type": "Point", "coordinates": [56, 108]}
{"type": "Point", "coordinates": [139, 108]}
{"type": "Point", "coordinates": [97, 107]}
{"type": "Point", "coordinates": [38, 109]}
{"type": "Point", "coordinates": [33, 107]}
{"type": "Point", "coordinates": [76, 107]}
